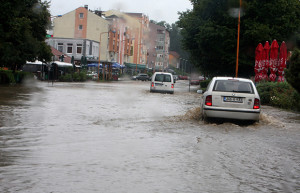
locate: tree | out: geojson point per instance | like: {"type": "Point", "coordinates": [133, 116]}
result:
{"type": "Point", "coordinates": [176, 41]}
{"type": "Point", "coordinates": [209, 31]}
{"type": "Point", "coordinates": [23, 32]}
{"type": "Point", "coordinates": [293, 71]}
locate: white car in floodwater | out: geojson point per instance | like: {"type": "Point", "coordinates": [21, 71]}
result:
{"type": "Point", "coordinates": [231, 98]}
{"type": "Point", "coordinates": [162, 82]}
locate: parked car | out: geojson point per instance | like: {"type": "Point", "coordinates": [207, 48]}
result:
{"type": "Point", "coordinates": [181, 77]}
{"type": "Point", "coordinates": [92, 75]}
{"type": "Point", "coordinates": [133, 78]}
{"type": "Point", "coordinates": [195, 80]}
{"type": "Point", "coordinates": [142, 77]}
{"type": "Point", "coordinates": [231, 98]}
{"type": "Point", "coordinates": [162, 82]}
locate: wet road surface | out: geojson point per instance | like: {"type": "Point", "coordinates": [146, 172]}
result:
{"type": "Point", "coordinates": [119, 137]}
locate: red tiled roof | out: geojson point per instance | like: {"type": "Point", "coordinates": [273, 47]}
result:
{"type": "Point", "coordinates": [175, 54]}
{"type": "Point", "coordinates": [57, 53]}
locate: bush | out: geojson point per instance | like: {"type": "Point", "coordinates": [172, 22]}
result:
{"type": "Point", "coordinates": [66, 78]}
{"type": "Point", "coordinates": [8, 77]}
{"type": "Point", "coordinates": [281, 95]}
{"type": "Point", "coordinates": [76, 77]}
{"type": "Point", "coordinates": [79, 77]}
{"type": "Point", "coordinates": [204, 84]}
{"type": "Point", "coordinates": [293, 71]}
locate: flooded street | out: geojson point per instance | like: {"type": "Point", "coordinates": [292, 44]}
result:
{"type": "Point", "coordinates": [119, 137]}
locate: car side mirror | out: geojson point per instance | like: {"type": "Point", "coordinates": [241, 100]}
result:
{"type": "Point", "coordinates": [174, 81]}
{"type": "Point", "coordinates": [200, 91]}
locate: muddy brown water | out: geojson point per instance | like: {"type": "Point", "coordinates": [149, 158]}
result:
{"type": "Point", "coordinates": [119, 137]}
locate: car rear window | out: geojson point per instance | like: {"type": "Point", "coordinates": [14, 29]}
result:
{"type": "Point", "coordinates": [233, 86]}
{"type": "Point", "coordinates": [163, 78]}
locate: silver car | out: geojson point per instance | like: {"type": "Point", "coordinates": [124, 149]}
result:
{"type": "Point", "coordinates": [231, 98]}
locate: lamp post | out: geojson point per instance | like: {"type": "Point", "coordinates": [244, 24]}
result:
{"type": "Point", "coordinates": [238, 42]}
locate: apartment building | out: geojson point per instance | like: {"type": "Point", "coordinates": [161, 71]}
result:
{"type": "Point", "coordinates": [141, 36]}
{"type": "Point", "coordinates": [111, 36]}
{"type": "Point", "coordinates": [79, 32]}
{"type": "Point", "coordinates": [133, 28]}
{"type": "Point", "coordinates": [122, 41]}
{"type": "Point", "coordinates": [159, 44]}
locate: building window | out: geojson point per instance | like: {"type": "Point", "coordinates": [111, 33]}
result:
{"type": "Point", "coordinates": [81, 15]}
{"type": "Point", "coordinates": [131, 51]}
{"type": "Point", "coordinates": [79, 49]}
{"type": "Point", "coordinates": [70, 49]}
{"type": "Point", "coordinates": [159, 47]}
{"type": "Point", "coordinates": [80, 27]}
{"type": "Point", "coordinates": [60, 47]}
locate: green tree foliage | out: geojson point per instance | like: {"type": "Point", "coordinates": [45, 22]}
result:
{"type": "Point", "coordinates": [176, 41]}
{"type": "Point", "coordinates": [209, 31]}
{"type": "Point", "coordinates": [23, 32]}
{"type": "Point", "coordinates": [293, 71]}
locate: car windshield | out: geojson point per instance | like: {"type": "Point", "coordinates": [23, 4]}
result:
{"type": "Point", "coordinates": [233, 86]}
{"type": "Point", "coordinates": [163, 78]}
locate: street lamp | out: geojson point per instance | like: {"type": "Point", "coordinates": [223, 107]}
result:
{"type": "Point", "coordinates": [238, 42]}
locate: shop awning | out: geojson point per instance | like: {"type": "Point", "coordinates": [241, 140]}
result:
{"type": "Point", "coordinates": [138, 66]}
{"type": "Point", "coordinates": [62, 64]}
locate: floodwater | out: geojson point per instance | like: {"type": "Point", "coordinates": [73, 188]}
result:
{"type": "Point", "coordinates": [119, 137]}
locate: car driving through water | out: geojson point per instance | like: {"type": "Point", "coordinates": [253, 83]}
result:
{"type": "Point", "coordinates": [231, 98]}
{"type": "Point", "coordinates": [162, 82]}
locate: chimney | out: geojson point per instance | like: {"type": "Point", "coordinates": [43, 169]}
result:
{"type": "Point", "coordinates": [86, 6]}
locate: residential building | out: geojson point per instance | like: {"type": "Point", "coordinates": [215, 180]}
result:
{"type": "Point", "coordinates": [121, 42]}
{"type": "Point", "coordinates": [174, 59]}
{"type": "Point", "coordinates": [79, 33]}
{"type": "Point", "coordinates": [76, 47]}
{"type": "Point", "coordinates": [159, 44]}
{"type": "Point", "coordinates": [133, 29]}
{"type": "Point", "coordinates": [140, 32]}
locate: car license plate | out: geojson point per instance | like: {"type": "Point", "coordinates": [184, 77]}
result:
{"type": "Point", "coordinates": [233, 99]}
{"type": "Point", "coordinates": [159, 84]}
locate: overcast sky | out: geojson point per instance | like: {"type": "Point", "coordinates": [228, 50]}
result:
{"type": "Point", "coordinates": [158, 10]}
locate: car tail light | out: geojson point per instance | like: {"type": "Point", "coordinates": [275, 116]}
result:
{"type": "Point", "coordinates": [152, 84]}
{"type": "Point", "coordinates": [256, 104]}
{"type": "Point", "coordinates": [208, 100]}
{"type": "Point", "coordinates": [172, 85]}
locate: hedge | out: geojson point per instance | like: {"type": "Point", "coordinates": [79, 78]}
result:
{"type": "Point", "coordinates": [8, 77]}
{"type": "Point", "coordinates": [281, 95]}
{"type": "Point", "coordinates": [204, 84]}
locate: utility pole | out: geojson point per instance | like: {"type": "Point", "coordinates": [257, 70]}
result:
{"type": "Point", "coordinates": [238, 42]}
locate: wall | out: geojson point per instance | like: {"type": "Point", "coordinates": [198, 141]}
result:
{"type": "Point", "coordinates": [64, 26]}
{"type": "Point", "coordinates": [96, 26]}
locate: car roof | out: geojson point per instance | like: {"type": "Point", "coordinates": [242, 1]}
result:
{"type": "Point", "coordinates": [162, 73]}
{"type": "Point", "coordinates": [232, 78]}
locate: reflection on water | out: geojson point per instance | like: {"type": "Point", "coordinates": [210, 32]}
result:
{"type": "Point", "coordinates": [119, 137]}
